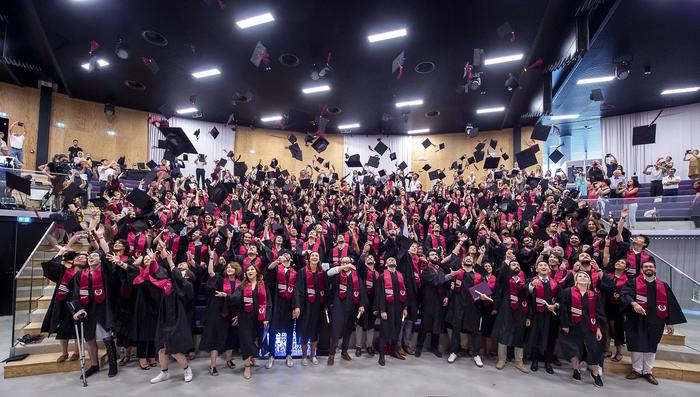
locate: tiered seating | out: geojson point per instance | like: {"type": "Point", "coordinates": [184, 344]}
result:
{"type": "Point", "coordinates": [678, 210]}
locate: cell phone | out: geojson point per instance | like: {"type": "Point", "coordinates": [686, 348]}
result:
{"type": "Point", "coordinates": [688, 151]}
{"type": "Point", "coordinates": [20, 123]}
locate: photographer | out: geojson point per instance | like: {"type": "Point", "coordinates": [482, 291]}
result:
{"type": "Point", "coordinates": [693, 159]}
{"type": "Point", "coordinates": [611, 165]}
{"type": "Point", "coordinates": [656, 173]}
{"type": "Point", "coordinates": [17, 140]}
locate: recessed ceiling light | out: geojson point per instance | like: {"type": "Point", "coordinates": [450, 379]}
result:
{"type": "Point", "coordinates": [490, 110]}
{"type": "Point", "coordinates": [680, 90]}
{"type": "Point", "coordinates": [100, 62]}
{"type": "Point", "coordinates": [592, 80]}
{"type": "Point", "coordinates": [507, 58]}
{"type": "Point", "coordinates": [313, 90]}
{"type": "Point", "coordinates": [206, 73]}
{"type": "Point", "coordinates": [267, 119]}
{"type": "Point", "coordinates": [186, 110]}
{"type": "Point", "coordinates": [61, 124]}
{"type": "Point", "coordinates": [564, 117]}
{"type": "Point", "coordinates": [256, 20]}
{"type": "Point", "coordinates": [111, 133]}
{"type": "Point", "coordinates": [387, 35]}
{"type": "Point", "coordinates": [349, 126]}
{"type": "Point", "coordinates": [419, 131]}
{"type": "Point", "coordinates": [414, 102]}
{"type": "Point", "coordinates": [251, 151]}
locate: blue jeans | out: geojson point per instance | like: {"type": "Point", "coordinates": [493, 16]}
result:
{"type": "Point", "coordinates": [17, 153]}
{"type": "Point", "coordinates": [672, 193]}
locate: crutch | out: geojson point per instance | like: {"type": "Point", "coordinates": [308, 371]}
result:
{"type": "Point", "coordinates": [80, 341]}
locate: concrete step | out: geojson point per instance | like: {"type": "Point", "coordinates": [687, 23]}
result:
{"type": "Point", "coordinates": [44, 302]}
{"type": "Point", "coordinates": [48, 345]}
{"type": "Point", "coordinates": [675, 339]}
{"type": "Point", "coordinates": [673, 353]}
{"type": "Point", "coordinates": [27, 280]}
{"type": "Point", "coordinates": [663, 369]}
{"type": "Point", "coordinates": [40, 364]}
{"type": "Point", "coordinates": [36, 290]}
{"type": "Point", "coordinates": [25, 303]}
{"type": "Point", "coordinates": [38, 315]}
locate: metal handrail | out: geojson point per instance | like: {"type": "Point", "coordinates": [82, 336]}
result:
{"type": "Point", "coordinates": [29, 258]}
{"type": "Point", "coordinates": [679, 271]}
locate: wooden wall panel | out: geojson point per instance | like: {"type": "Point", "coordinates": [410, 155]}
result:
{"type": "Point", "coordinates": [269, 144]}
{"type": "Point", "coordinates": [456, 146]}
{"type": "Point", "coordinates": [525, 142]}
{"type": "Point", "coordinates": [22, 104]}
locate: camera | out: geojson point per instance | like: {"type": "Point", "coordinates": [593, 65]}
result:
{"type": "Point", "coordinates": [585, 263]}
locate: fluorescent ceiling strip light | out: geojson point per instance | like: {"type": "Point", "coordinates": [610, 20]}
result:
{"type": "Point", "coordinates": [349, 126]}
{"type": "Point", "coordinates": [564, 117]}
{"type": "Point", "coordinates": [504, 59]}
{"type": "Point", "coordinates": [387, 35]}
{"type": "Point", "coordinates": [206, 73]}
{"type": "Point", "coordinates": [419, 131]}
{"type": "Point", "coordinates": [313, 90]}
{"type": "Point", "coordinates": [254, 21]}
{"type": "Point", "coordinates": [271, 118]}
{"type": "Point", "coordinates": [490, 110]}
{"type": "Point", "coordinates": [415, 102]}
{"type": "Point", "coordinates": [186, 110]}
{"type": "Point", "coordinates": [679, 90]}
{"type": "Point", "coordinates": [593, 80]}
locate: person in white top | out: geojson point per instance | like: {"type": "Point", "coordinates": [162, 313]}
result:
{"type": "Point", "coordinates": [671, 183]}
{"type": "Point", "coordinates": [17, 140]}
{"type": "Point", "coordinates": [414, 184]}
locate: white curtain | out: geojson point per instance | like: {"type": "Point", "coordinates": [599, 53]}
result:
{"type": "Point", "coordinates": [214, 149]}
{"type": "Point", "coordinates": [677, 130]}
{"type": "Point", "coordinates": [360, 144]}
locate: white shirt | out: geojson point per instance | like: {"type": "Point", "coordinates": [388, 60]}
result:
{"type": "Point", "coordinates": [16, 141]}
{"type": "Point", "coordinates": [105, 172]}
{"type": "Point", "coordinates": [671, 182]}
{"type": "Point", "coordinates": [414, 185]}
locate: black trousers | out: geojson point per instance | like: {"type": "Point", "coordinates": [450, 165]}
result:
{"type": "Point", "coordinates": [200, 176]}
{"type": "Point", "coordinates": [657, 188]}
{"type": "Point", "coordinates": [474, 339]}
{"type": "Point", "coordinates": [434, 339]}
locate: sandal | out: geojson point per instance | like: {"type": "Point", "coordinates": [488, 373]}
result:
{"type": "Point", "coordinates": [231, 364]}
{"type": "Point", "coordinates": [62, 358]}
{"type": "Point", "coordinates": [617, 357]}
{"type": "Point", "coordinates": [74, 357]}
{"type": "Point", "coordinates": [192, 356]}
{"type": "Point", "coordinates": [213, 371]}
{"type": "Point", "coordinates": [125, 360]}
{"type": "Point", "coordinates": [247, 372]}
{"type": "Point", "coordinates": [144, 367]}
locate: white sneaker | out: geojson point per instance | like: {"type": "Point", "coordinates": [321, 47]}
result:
{"type": "Point", "coordinates": [188, 374]}
{"type": "Point", "coordinates": [270, 362]}
{"type": "Point", "coordinates": [161, 377]}
{"type": "Point", "coordinates": [314, 360]}
{"type": "Point", "coordinates": [477, 360]}
{"type": "Point", "coordinates": [305, 361]}
{"type": "Point", "coordinates": [290, 362]}
{"type": "Point", "coordinates": [452, 358]}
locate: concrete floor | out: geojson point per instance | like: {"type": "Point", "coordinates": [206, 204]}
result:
{"type": "Point", "coordinates": [427, 376]}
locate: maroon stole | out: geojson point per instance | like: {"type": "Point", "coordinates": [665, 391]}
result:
{"type": "Point", "coordinates": [374, 239]}
{"type": "Point", "coordinates": [343, 287]}
{"type": "Point", "coordinates": [257, 263]}
{"type": "Point", "coordinates": [97, 286]}
{"type": "Point", "coordinates": [661, 297]}
{"type": "Point", "coordinates": [243, 250]}
{"type": "Point", "coordinates": [311, 288]}
{"type": "Point", "coordinates": [619, 283]}
{"type": "Point", "coordinates": [228, 289]}
{"type": "Point", "coordinates": [459, 280]}
{"type": "Point", "coordinates": [285, 288]}
{"type": "Point", "coordinates": [62, 292]}
{"type": "Point", "coordinates": [632, 260]}
{"type": "Point", "coordinates": [491, 281]}
{"type": "Point", "coordinates": [515, 294]}
{"type": "Point", "coordinates": [372, 276]}
{"type": "Point", "coordinates": [137, 243]}
{"type": "Point", "coordinates": [540, 300]}
{"type": "Point", "coordinates": [337, 254]}
{"type": "Point", "coordinates": [262, 300]}
{"type": "Point", "coordinates": [316, 246]}
{"type": "Point", "coordinates": [145, 274]}
{"type": "Point", "coordinates": [389, 287]}
{"type": "Point", "coordinates": [415, 260]}
{"type": "Point", "coordinates": [577, 312]}
{"type": "Point", "coordinates": [438, 244]}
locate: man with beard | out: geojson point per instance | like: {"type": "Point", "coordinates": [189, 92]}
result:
{"type": "Point", "coordinates": [527, 255]}
{"type": "Point", "coordinates": [649, 305]}
{"type": "Point", "coordinates": [348, 301]}
{"type": "Point", "coordinates": [364, 330]}
{"type": "Point", "coordinates": [390, 302]}
{"type": "Point", "coordinates": [510, 309]}
{"type": "Point", "coordinates": [542, 336]}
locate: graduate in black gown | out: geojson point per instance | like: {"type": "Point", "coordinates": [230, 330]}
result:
{"type": "Point", "coordinates": [510, 308]}
{"type": "Point", "coordinates": [309, 306]}
{"type": "Point", "coordinates": [390, 302]}
{"type": "Point", "coordinates": [219, 313]}
{"type": "Point", "coordinates": [433, 301]}
{"type": "Point", "coordinates": [281, 278]}
{"type": "Point", "coordinates": [544, 324]}
{"type": "Point", "coordinates": [251, 297]}
{"type": "Point", "coordinates": [347, 301]}
{"type": "Point", "coordinates": [649, 306]}
{"type": "Point", "coordinates": [364, 330]}
{"type": "Point", "coordinates": [173, 332]}
{"type": "Point", "coordinates": [582, 318]}
{"type": "Point", "coordinates": [617, 272]}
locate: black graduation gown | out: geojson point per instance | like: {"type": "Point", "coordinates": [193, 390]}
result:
{"type": "Point", "coordinates": [509, 326]}
{"type": "Point", "coordinates": [404, 264]}
{"type": "Point", "coordinates": [146, 301]}
{"type": "Point", "coordinates": [311, 314]}
{"type": "Point", "coordinates": [368, 318]}
{"type": "Point", "coordinates": [580, 337]}
{"type": "Point", "coordinates": [463, 313]}
{"type": "Point", "coordinates": [643, 333]}
{"type": "Point", "coordinates": [432, 293]}
{"type": "Point", "coordinates": [614, 314]}
{"type": "Point", "coordinates": [124, 301]}
{"type": "Point", "coordinates": [217, 317]}
{"type": "Point", "coordinates": [281, 308]}
{"type": "Point", "coordinates": [249, 327]}
{"type": "Point", "coordinates": [173, 324]}
{"type": "Point", "coordinates": [58, 318]}
{"type": "Point", "coordinates": [389, 328]}
{"type": "Point", "coordinates": [96, 312]}
{"type": "Point", "coordinates": [543, 326]}
{"type": "Point", "coordinates": [343, 312]}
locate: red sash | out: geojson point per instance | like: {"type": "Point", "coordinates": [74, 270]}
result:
{"type": "Point", "coordinates": [459, 280]}
{"type": "Point", "coordinates": [436, 244]}
{"type": "Point", "coordinates": [337, 254]}
{"type": "Point", "coordinates": [228, 289]}
{"type": "Point", "coordinates": [416, 269]}
{"type": "Point", "coordinates": [374, 239]}
{"type": "Point", "coordinates": [576, 310]}
{"type": "Point", "coordinates": [661, 297]}
{"type": "Point", "coordinates": [262, 300]}
{"type": "Point", "coordinates": [492, 284]}
{"type": "Point", "coordinates": [257, 263]}
{"type": "Point", "coordinates": [389, 287]}
{"type": "Point", "coordinates": [515, 294]}
{"type": "Point", "coordinates": [62, 292]}
{"type": "Point", "coordinates": [369, 283]}
{"type": "Point", "coordinates": [97, 286]}
{"type": "Point", "coordinates": [619, 283]}
{"type": "Point", "coordinates": [540, 300]}
{"type": "Point", "coordinates": [284, 288]}
{"type": "Point", "coordinates": [145, 273]}
{"type": "Point", "coordinates": [311, 288]}
{"type": "Point", "coordinates": [343, 287]}
{"type": "Point", "coordinates": [632, 260]}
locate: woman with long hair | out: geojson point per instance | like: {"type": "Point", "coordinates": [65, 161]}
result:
{"type": "Point", "coordinates": [309, 302]}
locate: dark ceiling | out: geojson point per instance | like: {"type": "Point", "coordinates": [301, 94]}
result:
{"type": "Point", "coordinates": [202, 34]}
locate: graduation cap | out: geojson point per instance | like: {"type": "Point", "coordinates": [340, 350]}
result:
{"type": "Point", "coordinates": [540, 132]}
{"type": "Point", "coordinates": [479, 156]}
{"type": "Point", "coordinates": [437, 174]}
{"type": "Point", "coordinates": [185, 158]}
{"type": "Point", "coordinates": [141, 165]}
{"type": "Point", "coordinates": [320, 145]}
{"type": "Point", "coordinates": [535, 148]}
{"type": "Point", "coordinates": [196, 133]}
{"type": "Point", "coordinates": [441, 146]}
{"type": "Point", "coordinates": [353, 161]}
{"type": "Point", "coordinates": [296, 151]}
{"type": "Point", "coordinates": [505, 156]}
{"type": "Point", "coordinates": [367, 180]}
{"type": "Point", "coordinates": [373, 162]}
{"type": "Point", "coordinates": [279, 182]}
{"type": "Point", "coordinates": [239, 168]}
{"type": "Point", "coordinates": [292, 138]}
{"type": "Point", "coordinates": [532, 181]}
{"type": "Point", "coordinates": [236, 205]}
{"type": "Point", "coordinates": [222, 162]}
{"type": "Point", "coordinates": [18, 183]}
{"type": "Point", "coordinates": [404, 242]}
{"type": "Point", "coordinates": [139, 199]}
{"type": "Point", "coordinates": [597, 95]}
{"type": "Point", "coordinates": [453, 208]}
{"type": "Point", "coordinates": [305, 183]}
{"type": "Point", "coordinates": [71, 224]}
{"type": "Point", "coordinates": [209, 208]}
{"type": "Point", "coordinates": [194, 211]}
{"type": "Point", "coordinates": [176, 227]}
{"type": "Point", "coordinates": [397, 65]}
{"type": "Point", "coordinates": [493, 143]}
{"type": "Point", "coordinates": [260, 55]}
{"type": "Point", "coordinates": [480, 147]}
{"type": "Point", "coordinates": [491, 163]}
{"type": "Point", "coordinates": [152, 164]}
{"type": "Point", "coordinates": [259, 175]}
{"type": "Point", "coordinates": [382, 173]}
{"type": "Point", "coordinates": [178, 142]}
{"type": "Point", "coordinates": [150, 177]}
{"type": "Point", "coordinates": [403, 166]}
{"type": "Point", "coordinates": [381, 148]}
{"type": "Point", "coordinates": [139, 224]}
{"type": "Point", "coordinates": [471, 160]}
{"type": "Point", "coordinates": [455, 165]}
{"type": "Point", "coordinates": [526, 158]}
{"type": "Point", "coordinates": [426, 143]}
{"type": "Point", "coordinates": [320, 160]}
{"type": "Point", "coordinates": [505, 205]}
{"type": "Point", "coordinates": [426, 167]}
{"type": "Point", "coordinates": [214, 132]}
{"type": "Point", "coordinates": [99, 202]}
{"type": "Point", "coordinates": [556, 155]}
{"type": "Point", "coordinates": [392, 156]}
{"type": "Point", "coordinates": [530, 213]}
{"type": "Point", "coordinates": [568, 204]}
{"type": "Point", "coordinates": [217, 194]}
{"type": "Point", "coordinates": [168, 155]}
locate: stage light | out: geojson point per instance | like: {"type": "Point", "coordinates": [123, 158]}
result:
{"type": "Point", "coordinates": [186, 110]}
{"type": "Point", "coordinates": [254, 21]}
{"type": "Point", "coordinates": [122, 49]}
{"type": "Point", "coordinates": [508, 58]}
{"type": "Point", "coordinates": [206, 73]}
{"type": "Point", "coordinates": [313, 90]}
{"type": "Point", "coordinates": [387, 35]}
{"type": "Point", "coordinates": [111, 133]}
{"type": "Point", "coordinates": [414, 102]}
{"type": "Point", "coordinates": [592, 80]}
{"type": "Point", "coordinates": [490, 110]}
{"type": "Point", "coordinates": [100, 62]}
{"type": "Point", "coordinates": [622, 70]}
{"type": "Point", "coordinates": [679, 90]}
{"type": "Point", "coordinates": [511, 82]}
{"type": "Point", "coordinates": [419, 131]}
{"type": "Point", "coordinates": [61, 124]}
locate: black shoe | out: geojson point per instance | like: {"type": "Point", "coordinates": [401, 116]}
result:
{"type": "Point", "coordinates": [556, 362]}
{"type": "Point", "coordinates": [419, 351]}
{"type": "Point", "coordinates": [111, 357]}
{"type": "Point", "coordinates": [576, 375]}
{"type": "Point", "coordinates": [597, 380]}
{"type": "Point", "coordinates": [91, 371]}
{"type": "Point", "coordinates": [548, 368]}
{"type": "Point", "coordinates": [534, 366]}
{"type": "Point", "coordinates": [436, 352]}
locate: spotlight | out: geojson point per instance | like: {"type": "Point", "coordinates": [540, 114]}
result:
{"type": "Point", "coordinates": [647, 70]}
{"type": "Point", "coordinates": [622, 69]}
{"type": "Point", "coordinates": [471, 130]}
{"type": "Point", "coordinates": [512, 83]}
{"type": "Point", "coordinates": [475, 84]}
{"type": "Point", "coordinates": [109, 109]}
{"type": "Point", "coordinates": [122, 50]}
